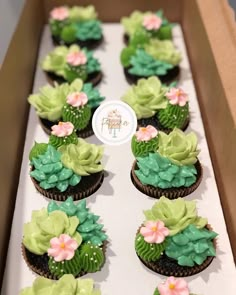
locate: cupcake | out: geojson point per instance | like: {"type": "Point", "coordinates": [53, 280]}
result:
{"type": "Point", "coordinates": [66, 166]}
{"type": "Point", "coordinates": [174, 240]}
{"type": "Point", "coordinates": [65, 64]}
{"type": "Point", "coordinates": [150, 57]}
{"type": "Point", "coordinates": [75, 103]}
{"type": "Point", "coordinates": [67, 284]}
{"type": "Point", "coordinates": [64, 239]}
{"type": "Point", "coordinates": [140, 25]}
{"type": "Point", "coordinates": [165, 164]}
{"type": "Point", "coordinates": [75, 25]}
{"type": "Point", "coordinates": [173, 286]}
{"type": "Point", "coordinates": [163, 107]}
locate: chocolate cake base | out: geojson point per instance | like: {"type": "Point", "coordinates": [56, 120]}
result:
{"type": "Point", "coordinates": [126, 39]}
{"type": "Point", "coordinates": [170, 193]}
{"type": "Point", "coordinates": [171, 76]}
{"type": "Point", "coordinates": [86, 187]}
{"type": "Point", "coordinates": [90, 44]}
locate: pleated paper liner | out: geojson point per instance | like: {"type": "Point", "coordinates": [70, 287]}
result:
{"type": "Point", "coordinates": [169, 267]}
{"type": "Point", "coordinates": [39, 263]}
{"type": "Point", "coordinates": [90, 44]}
{"type": "Point", "coordinates": [172, 75]}
{"type": "Point", "coordinates": [85, 188]}
{"type": "Point", "coordinates": [170, 193]}
{"type": "Point", "coordinates": [94, 78]}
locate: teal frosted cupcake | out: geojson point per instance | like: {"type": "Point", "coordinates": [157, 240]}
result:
{"type": "Point", "coordinates": [64, 239]}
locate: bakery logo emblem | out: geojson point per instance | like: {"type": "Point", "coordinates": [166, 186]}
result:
{"type": "Point", "coordinates": [114, 123]}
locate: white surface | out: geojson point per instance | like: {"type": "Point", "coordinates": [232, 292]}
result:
{"type": "Point", "coordinates": [118, 202]}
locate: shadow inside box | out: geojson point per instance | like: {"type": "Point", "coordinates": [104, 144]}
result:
{"type": "Point", "coordinates": [185, 74]}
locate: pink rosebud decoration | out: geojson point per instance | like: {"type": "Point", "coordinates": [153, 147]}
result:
{"type": "Point", "coordinates": [146, 133]}
{"type": "Point", "coordinates": [177, 96]}
{"type": "Point", "coordinates": [62, 248]}
{"type": "Point", "coordinates": [154, 232]}
{"type": "Point", "coordinates": [77, 99]}
{"type": "Point", "coordinates": [62, 129]}
{"type": "Point", "coordinates": [152, 22]}
{"type": "Point", "coordinates": [173, 286]}
{"type": "Point", "coordinates": [59, 13]}
{"type": "Point", "coordinates": [76, 58]}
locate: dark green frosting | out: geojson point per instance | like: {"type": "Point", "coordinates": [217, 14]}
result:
{"type": "Point", "coordinates": [173, 116]}
{"type": "Point", "coordinates": [57, 26]}
{"type": "Point", "coordinates": [73, 72]}
{"type": "Point", "coordinates": [91, 257]}
{"type": "Point", "coordinates": [59, 141]}
{"type": "Point", "coordinates": [156, 292]}
{"type": "Point", "coordinates": [79, 117]}
{"type": "Point", "coordinates": [143, 148]}
{"type": "Point", "coordinates": [148, 251]}
{"type": "Point", "coordinates": [38, 149]}
{"type": "Point", "coordinates": [89, 30]}
{"type": "Point", "coordinates": [60, 268]}
{"type": "Point", "coordinates": [94, 97]}
{"type": "Point", "coordinates": [68, 33]}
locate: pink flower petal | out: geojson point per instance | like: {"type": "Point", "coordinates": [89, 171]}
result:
{"type": "Point", "coordinates": [145, 231]}
{"type": "Point", "coordinates": [150, 238]}
{"type": "Point", "coordinates": [69, 254]}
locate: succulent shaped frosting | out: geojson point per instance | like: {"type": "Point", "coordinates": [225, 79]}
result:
{"type": "Point", "coordinates": [91, 257]}
{"type": "Point", "coordinates": [50, 172]}
{"type": "Point", "coordinates": [80, 13]}
{"type": "Point", "coordinates": [159, 172]}
{"type": "Point", "coordinates": [133, 22]}
{"type": "Point", "coordinates": [38, 149]}
{"type": "Point", "coordinates": [191, 246]}
{"type": "Point", "coordinates": [89, 229]}
{"type": "Point", "coordinates": [65, 285]}
{"type": "Point", "coordinates": [83, 158]}
{"type": "Point", "coordinates": [63, 133]}
{"type": "Point", "coordinates": [176, 214]}
{"type": "Point", "coordinates": [94, 97]}
{"type": "Point", "coordinates": [146, 97]}
{"type": "Point", "coordinates": [179, 148]}
{"type": "Point", "coordinates": [89, 30]}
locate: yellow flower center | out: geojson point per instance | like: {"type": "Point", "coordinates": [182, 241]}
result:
{"type": "Point", "coordinates": [154, 228]}
{"type": "Point", "coordinates": [171, 286]}
{"type": "Point", "coordinates": [178, 93]}
{"type": "Point", "coordinates": [60, 123]}
{"type": "Point", "coordinates": [62, 245]}
{"type": "Point", "coordinates": [143, 129]}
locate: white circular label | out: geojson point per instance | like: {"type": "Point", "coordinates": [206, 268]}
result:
{"type": "Point", "coordinates": [114, 122]}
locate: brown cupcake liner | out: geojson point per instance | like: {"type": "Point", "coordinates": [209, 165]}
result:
{"type": "Point", "coordinates": [85, 188]}
{"type": "Point", "coordinates": [169, 267]}
{"type": "Point", "coordinates": [170, 193]}
{"type": "Point", "coordinates": [39, 263]}
{"type": "Point", "coordinates": [90, 44]}
{"type": "Point", "coordinates": [126, 38]}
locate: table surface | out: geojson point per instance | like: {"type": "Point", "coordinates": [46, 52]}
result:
{"type": "Point", "coordinates": [118, 202]}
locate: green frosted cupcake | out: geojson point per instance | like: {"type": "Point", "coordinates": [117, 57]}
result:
{"type": "Point", "coordinates": [66, 166]}
{"type": "Point", "coordinates": [64, 239]}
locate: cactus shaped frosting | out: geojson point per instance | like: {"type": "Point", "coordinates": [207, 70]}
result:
{"type": "Point", "coordinates": [51, 173]}
{"type": "Point", "coordinates": [63, 134]}
{"type": "Point", "coordinates": [91, 257]}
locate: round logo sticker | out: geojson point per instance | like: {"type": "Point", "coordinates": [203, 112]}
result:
{"type": "Point", "coordinates": [114, 122]}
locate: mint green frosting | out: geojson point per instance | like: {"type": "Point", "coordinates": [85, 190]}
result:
{"type": "Point", "coordinates": [71, 266]}
{"type": "Point", "coordinates": [173, 116]}
{"type": "Point", "coordinates": [191, 246]}
{"type": "Point", "coordinates": [50, 100]}
{"type": "Point", "coordinates": [143, 148]}
{"type": "Point", "coordinates": [67, 284]}
{"type": "Point", "coordinates": [91, 257]}
{"type": "Point", "coordinates": [146, 98]}
{"type": "Point", "coordinates": [56, 141]}
{"type": "Point", "coordinates": [50, 172]}
{"type": "Point", "coordinates": [148, 251]}
{"type": "Point", "coordinates": [83, 158]}
{"type": "Point", "coordinates": [80, 13]}
{"type": "Point", "coordinates": [94, 97]}
{"type": "Point", "coordinates": [158, 171]}
{"type": "Point", "coordinates": [176, 214]}
{"type": "Point", "coordinates": [89, 30]}
{"type": "Point", "coordinates": [38, 149]}
{"type": "Point", "coordinates": [89, 229]}
{"type": "Point", "coordinates": [93, 64]}
{"type": "Point", "coordinates": [79, 117]}
{"type": "Point", "coordinates": [178, 147]}
{"type": "Point", "coordinates": [163, 50]}
{"type": "Point", "coordinates": [44, 226]}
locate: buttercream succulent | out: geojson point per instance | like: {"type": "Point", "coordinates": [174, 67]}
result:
{"type": "Point", "coordinates": [82, 158]}
{"type": "Point", "coordinates": [94, 97]}
{"type": "Point", "coordinates": [146, 98]}
{"type": "Point", "coordinates": [179, 148]}
{"type": "Point", "coordinates": [176, 214]}
{"type": "Point", "coordinates": [89, 30]}
{"type": "Point", "coordinates": [80, 13]}
{"type": "Point", "coordinates": [133, 22]}
{"type": "Point", "coordinates": [65, 285]}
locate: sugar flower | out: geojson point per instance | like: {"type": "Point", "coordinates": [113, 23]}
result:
{"type": "Point", "coordinates": [59, 13]}
{"type": "Point", "coordinates": [62, 248]}
{"type": "Point", "coordinates": [177, 96]}
{"type": "Point", "coordinates": [62, 129]}
{"type": "Point", "coordinates": [146, 133]}
{"type": "Point", "coordinates": [152, 22]}
{"type": "Point", "coordinates": [77, 99]}
{"type": "Point", "coordinates": [173, 286]}
{"type": "Point", "coordinates": [76, 58]}
{"type": "Point", "coordinates": [154, 232]}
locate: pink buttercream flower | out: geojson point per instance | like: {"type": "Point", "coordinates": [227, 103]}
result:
{"type": "Point", "coordinates": [152, 22]}
{"type": "Point", "coordinates": [177, 96]}
{"type": "Point", "coordinates": [59, 13]}
{"type": "Point", "coordinates": [62, 248]}
{"type": "Point", "coordinates": [173, 286]}
{"type": "Point", "coordinates": [77, 99]}
{"type": "Point", "coordinates": [76, 58]}
{"type": "Point", "coordinates": [154, 232]}
{"type": "Point", "coordinates": [62, 129]}
{"type": "Point", "coordinates": [146, 133]}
